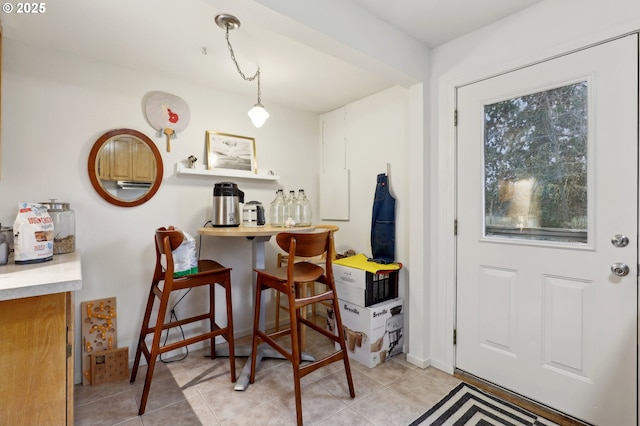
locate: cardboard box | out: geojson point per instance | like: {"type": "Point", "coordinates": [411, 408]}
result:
{"type": "Point", "coordinates": [109, 365]}
{"type": "Point", "coordinates": [364, 288]}
{"type": "Point", "coordinates": [372, 334]}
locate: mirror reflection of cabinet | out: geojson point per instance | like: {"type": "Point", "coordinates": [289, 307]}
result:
{"type": "Point", "coordinates": [125, 167]}
{"type": "Point", "coordinates": [143, 168]}
{"type": "Point", "coordinates": [128, 159]}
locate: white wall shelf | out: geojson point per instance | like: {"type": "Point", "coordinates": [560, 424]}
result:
{"type": "Point", "coordinates": [201, 170]}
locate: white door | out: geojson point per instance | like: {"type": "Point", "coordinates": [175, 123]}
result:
{"type": "Point", "coordinates": [547, 177]}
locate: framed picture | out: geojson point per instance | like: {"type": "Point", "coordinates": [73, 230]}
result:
{"type": "Point", "coordinates": [225, 151]}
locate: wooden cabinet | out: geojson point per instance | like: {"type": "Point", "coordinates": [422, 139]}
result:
{"type": "Point", "coordinates": [36, 383]}
{"type": "Point", "coordinates": [143, 164]}
{"type": "Point", "coordinates": [103, 162]}
{"type": "Point", "coordinates": [127, 159]}
{"type": "Point", "coordinates": [122, 160]}
{"type": "Point", "coordinates": [36, 341]}
{"type": "Point", "coordinates": [0, 95]}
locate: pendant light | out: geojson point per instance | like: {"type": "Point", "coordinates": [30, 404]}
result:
{"type": "Point", "coordinates": [258, 113]}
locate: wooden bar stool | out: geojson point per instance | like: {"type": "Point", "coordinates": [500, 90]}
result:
{"type": "Point", "coordinates": [284, 280]}
{"type": "Point", "coordinates": [304, 288]}
{"type": "Point", "coordinates": [209, 273]}
{"type": "Point", "coordinates": [301, 289]}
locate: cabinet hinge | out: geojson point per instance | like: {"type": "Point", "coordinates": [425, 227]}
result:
{"type": "Point", "coordinates": [455, 336]}
{"type": "Point", "coordinates": [455, 118]}
{"type": "Point", "coordinates": [455, 227]}
{"type": "Point", "coordinates": [69, 347]}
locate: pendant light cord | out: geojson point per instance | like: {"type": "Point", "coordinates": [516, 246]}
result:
{"type": "Point", "coordinates": [244, 77]}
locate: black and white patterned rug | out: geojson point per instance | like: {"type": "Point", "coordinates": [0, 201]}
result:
{"type": "Point", "coordinates": [467, 405]}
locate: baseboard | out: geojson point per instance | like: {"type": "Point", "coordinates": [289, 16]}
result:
{"type": "Point", "coordinates": [527, 404]}
{"type": "Point", "coordinates": [420, 362]}
{"type": "Point", "coordinates": [442, 367]}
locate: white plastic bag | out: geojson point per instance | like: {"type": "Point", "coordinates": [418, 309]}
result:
{"type": "Point", "coordinates": [185, 258]}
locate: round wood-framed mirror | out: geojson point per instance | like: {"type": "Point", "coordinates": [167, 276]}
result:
{"type": "Point", "coordinates": [125, 167]}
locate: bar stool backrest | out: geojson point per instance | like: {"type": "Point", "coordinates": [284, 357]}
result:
{"type": "Point", "coordinates": [175, 238]}
{"type": "Point", "coordinates": [305, 244]}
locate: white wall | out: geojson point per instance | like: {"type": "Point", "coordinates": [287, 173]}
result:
{"type": "Point", "coordinates": [54, 108]}
{"type": "Point", "coordinates": [376, 135]}
{"type": "Point", "coordinates": [544, 30]}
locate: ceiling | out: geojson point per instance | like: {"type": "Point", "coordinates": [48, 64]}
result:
{"type": "Point", "coordinates": [180, 40]}
{"type": "Point", "coordinates": [435, 22]}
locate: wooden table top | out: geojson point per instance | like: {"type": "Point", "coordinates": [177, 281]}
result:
{"type": "Point", "coordinates": [249, 231]}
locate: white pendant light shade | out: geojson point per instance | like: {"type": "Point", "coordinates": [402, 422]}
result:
{"type": "Point", "coordinates": [258, 115]}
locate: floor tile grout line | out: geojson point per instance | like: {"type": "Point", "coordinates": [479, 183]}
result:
{"type": "Point", "coordinates": [321, 380]}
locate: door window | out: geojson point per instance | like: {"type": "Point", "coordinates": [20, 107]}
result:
{"type": "Point", "coordinates": [535, 165]}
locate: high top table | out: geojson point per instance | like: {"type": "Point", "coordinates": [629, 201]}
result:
{"type": "Point", "coordinates": [258, 236]}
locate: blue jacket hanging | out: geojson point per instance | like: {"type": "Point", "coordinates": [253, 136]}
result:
{"type": "Point", "coordinates": [383, 223]}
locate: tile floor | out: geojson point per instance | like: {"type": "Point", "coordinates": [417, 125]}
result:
{"type": "Point", "coordinates": [197, 391]}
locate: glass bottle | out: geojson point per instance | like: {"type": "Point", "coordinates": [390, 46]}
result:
{"type": "Point", "coordinates": [64, 226]}
{"type": "Point", "coordinates": [297, 207]}
{"type": "Point", "coordinates": [290, 209]}
{"type": "Point", "coordinates": [305, 210]}
{"type": "Point", "coordinates": [277, 209]}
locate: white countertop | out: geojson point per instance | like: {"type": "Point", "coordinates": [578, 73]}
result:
{"type": "Point", "coordinates": [62, 274]}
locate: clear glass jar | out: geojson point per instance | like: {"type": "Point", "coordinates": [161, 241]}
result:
{"type": "Point", "coordinates": [304, 207]}
{"type": "Point", "coordinates": [277, 210]}
{"type": "Point", "coordinates": [290, 209]}
{"type": "Point", "coordinates": [64, 226]}
{"type": "Point", "coordinates": [4, 249]}
{"type": "Point", "coordinates": [297, 208]}
{"type": "Point", "coordinates": [6, 234]}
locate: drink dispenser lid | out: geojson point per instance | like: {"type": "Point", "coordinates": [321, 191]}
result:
{"type": "Point", "coordinates": [227, 189]}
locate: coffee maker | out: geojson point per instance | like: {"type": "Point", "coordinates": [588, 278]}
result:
{"type": "Point", "coordinates": [226, 204]}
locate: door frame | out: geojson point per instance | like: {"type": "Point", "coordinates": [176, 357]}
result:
{"type": "Point", "coordinates": [443, 303]}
